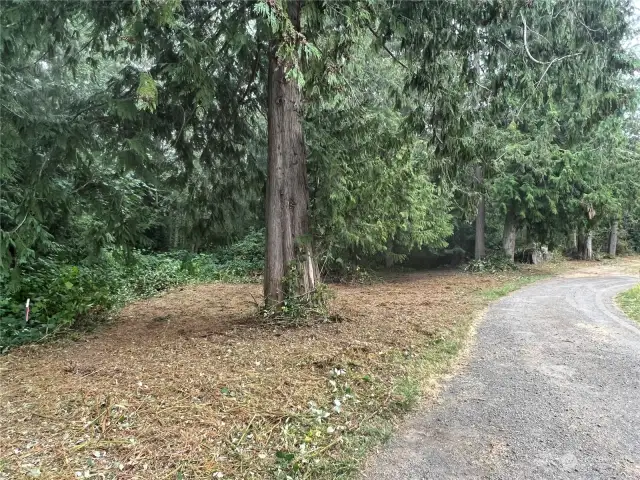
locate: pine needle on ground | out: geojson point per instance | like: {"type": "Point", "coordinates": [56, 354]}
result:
{"type": "Point", "coordinates": [190, 385]}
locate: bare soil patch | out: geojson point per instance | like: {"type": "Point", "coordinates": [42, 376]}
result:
{"type": "Point", "coordinates": [629, 265]}
{"type": "Point", "coordinates": [190, 385]}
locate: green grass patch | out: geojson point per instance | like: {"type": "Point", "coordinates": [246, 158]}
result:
{"type": "Point", "coordinates": [629, 302]}
{"type": "Point", "coordinates": [510, 286]}
{"type": "Point", "coordinates": [419, 368]}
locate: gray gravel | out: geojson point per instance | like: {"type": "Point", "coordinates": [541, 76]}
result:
{"type": "Point", "coordinates": [551, 391]}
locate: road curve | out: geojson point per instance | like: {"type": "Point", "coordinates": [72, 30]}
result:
{"type": "Point", "coordinates": [551, 391]}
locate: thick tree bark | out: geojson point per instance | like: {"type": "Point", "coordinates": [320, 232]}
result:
{"type": "Point", "coordinates": [288, 246]}
{"type": "Point", "coordinates": [581, 245]}
{"type": "Point", "coordinates": [480, 249]}
{"type": "Point", "coordinates": [588, 251]}
{"type": "Point", "coordinates": [509, 234]}
{"type": "Point", "coordinates": [585, 245]}
{"type": "Point", "coordinates": [613, 238]}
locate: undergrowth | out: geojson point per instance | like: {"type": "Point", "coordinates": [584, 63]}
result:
{"type": "Point", "coordinates": [350, 274]}
{"type": "Point", "coordinates": [298, 308]}
{"type": "Point", "coordinates": [490, 264]}
{"type": "Point", "coordinates": [66, 295]}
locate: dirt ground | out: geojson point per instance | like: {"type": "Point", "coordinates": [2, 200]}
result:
{"type": "Point", "coordinates": [622, 266]}
{"type": "Point", "coordinates": [191, 385]}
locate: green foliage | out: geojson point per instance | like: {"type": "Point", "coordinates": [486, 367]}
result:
{"type": "Point", "coordinates": [244, 256]}
{"type": "Point", "coordinates": [88, 132]}
{"type": "Point", "coordinates": [141, 126]}
{"type": "Point", "coordinates": [339, 271]}
{"type": "Point", "coordinates": [298, 308]}
{"type": "Point", "coordinates": [147, 92]}
{"type": "Point", "coordinates": [65, 296]}
{"type": "Point", "coordinates": [630, 233]}
{"type": "Point", "coordinates": [370, 178]}
{"type": "Point", "coordinates": [493, 263]}
{"type": "Point", "coordinates": [629, 301]}
{"type": "Point", "coordinates": [301, 309]}
{"type": "Point", "coordinates": [59, 295]}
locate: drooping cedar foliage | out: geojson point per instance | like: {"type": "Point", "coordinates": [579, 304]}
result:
{"type": "Point", "coordinates": [144, 125]}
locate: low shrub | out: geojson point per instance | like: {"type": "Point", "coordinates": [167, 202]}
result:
{"type": "Point", "coordinates": [63, 296]}
{"type": "Point", "coordinates": [492, 263]}
{"type": "Point", "coordinates": [58, 295]}
{"type": "Point", "coordinates": [351, 274]}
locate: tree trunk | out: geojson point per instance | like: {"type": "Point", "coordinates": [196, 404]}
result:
{"type": "Point", "coordinates": [509, 234]}
{"type": "Point", "coordinates": [480, 249]}
{"type": "Point", "coordinates": [581, 244]}
{"type": "Point", "coordinates": [388, 257]}
{"type": "Point", "coordinates": [585, 245]}
{"type": "Point", "coordinates": [588, 251]}
{"type": "Point", "coordinates": [289, 254]}
{"type": "Point", "coordinates": [574, 239]}
{"type": "Point", "coordinates": [613, 238]}
{"type": "Point", "coordinates": [176, 236]}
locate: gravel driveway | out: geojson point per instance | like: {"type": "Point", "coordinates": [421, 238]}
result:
{"type": "Point", "coordinates": [551, 391]}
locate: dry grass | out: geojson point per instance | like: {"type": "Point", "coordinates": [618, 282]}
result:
{"type": "Point", "coordinates": [187, 385]}
{"type": "Point", "coordinates": [622, 265]}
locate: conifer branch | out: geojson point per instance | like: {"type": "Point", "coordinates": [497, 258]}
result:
{"type": "Point", "coordinates": [19, 225]}
{"type": "Point", "coordinates": [540, 62]}
{"type": "Point", "coordinates": [386, 49]}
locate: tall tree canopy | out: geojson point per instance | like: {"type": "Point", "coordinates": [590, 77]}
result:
{"type": "Point", "coordinates": [344, 128]}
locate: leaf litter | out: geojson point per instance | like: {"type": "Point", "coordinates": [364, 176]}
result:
{"type": "Point", "coordinates": [191, 385]}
